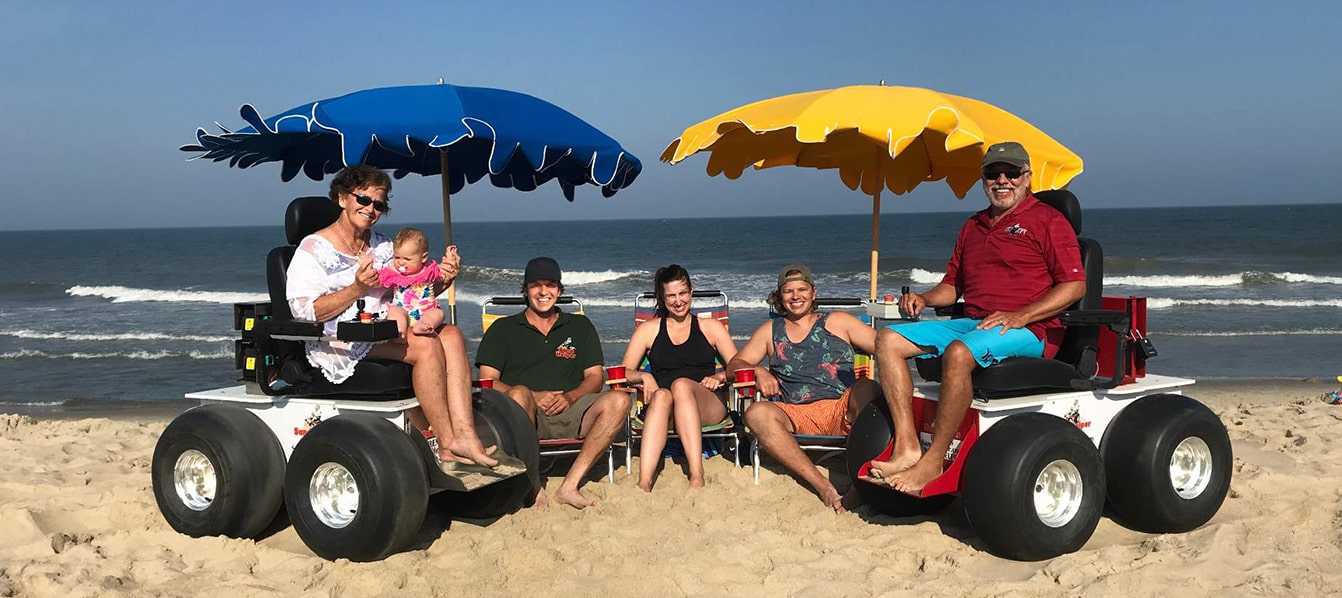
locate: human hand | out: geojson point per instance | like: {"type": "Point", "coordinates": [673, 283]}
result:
{"type": "Point", "coordinates": [552, 402]}
{"type": "Point", "coordinates": [1006, 319]}
{"type": "Point", "coordinates": [911, 304]}
{"type": "Point", "coordinates": [714, 382]}
{"type": "Point", "coordinates": [766, 382]}
{"type": "Point", "coordinates": [642, 379]}
{"type": "Point", "coordinates": [366, 276]}
{"type": "Point", "coordinates": [450, 265]}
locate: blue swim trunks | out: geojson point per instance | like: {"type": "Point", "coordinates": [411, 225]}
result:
{"type": "Point", "coordinates": [989, 346]}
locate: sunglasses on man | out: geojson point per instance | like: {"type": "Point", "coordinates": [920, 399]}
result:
{"type": "Point", "coordinates": [379, 205]}
{"type": "Point", "coordinates": [1013, 173]}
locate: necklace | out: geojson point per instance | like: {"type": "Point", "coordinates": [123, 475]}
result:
{"type": "Point", "coordinates": [353, 248]}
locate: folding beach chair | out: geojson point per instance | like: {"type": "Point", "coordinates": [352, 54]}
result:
{"type": "Point", "coordinates": [827, 446]}
{"type": "Point", "coordinates": [707, 305]}
{"type": "Point", "coordinates": [554, 447]}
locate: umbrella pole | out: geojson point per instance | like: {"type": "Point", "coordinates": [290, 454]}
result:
{"type": "Point", "coordinates": [875, 237]}
{"type": "Point", "coordinates": [447, 232]}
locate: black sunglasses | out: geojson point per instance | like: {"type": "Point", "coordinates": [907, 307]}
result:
{"type": "Point", "coordinates": [379, 205]}
{"type": "Point", "coordinates": [991, 175]}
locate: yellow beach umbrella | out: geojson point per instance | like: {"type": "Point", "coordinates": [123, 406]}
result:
{"type": "Point", "coordinates": [877, 137]}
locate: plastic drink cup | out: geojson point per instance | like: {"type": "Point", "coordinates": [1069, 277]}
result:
{"type": "Point", "coordinates": [486, 383]}
{"type": "Point", "coordinates": [615, 375]}
{"type": "Point", "coordinates": [745, 376]}
{"type": "Point", "coordinates": [889, 299]}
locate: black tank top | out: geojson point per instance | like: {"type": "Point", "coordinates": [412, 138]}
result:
{"type": "Point", "coordinates": [692, 359]}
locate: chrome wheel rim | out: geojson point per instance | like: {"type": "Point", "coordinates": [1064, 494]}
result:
{"type": "Point", "coordinates": [334, 495]}
{"type": "Point", "coordinates": [194, 480]}
{"type": "Point", "coordinates": [1191, 468]}
{"type": "Point", "coordinates": [1058, 493]}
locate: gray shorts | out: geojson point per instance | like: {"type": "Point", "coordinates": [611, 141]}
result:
{"type": "Point", "coordinates": [567, 423]}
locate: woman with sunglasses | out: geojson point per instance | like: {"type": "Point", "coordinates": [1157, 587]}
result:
{"type": "Point", "coordinates": [336, 268]}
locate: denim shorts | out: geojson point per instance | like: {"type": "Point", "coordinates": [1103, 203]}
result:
{"type": "Point", "coordinates": [988, 346]}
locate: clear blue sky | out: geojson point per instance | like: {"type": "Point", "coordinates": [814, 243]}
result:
{"type": "Point", "coordinates": [1169, 103]}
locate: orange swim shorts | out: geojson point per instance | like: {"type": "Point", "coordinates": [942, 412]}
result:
{"type": "Point", "coordinates": [825, 417]}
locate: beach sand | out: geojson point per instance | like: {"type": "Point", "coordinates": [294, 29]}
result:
{"type": "Point", "coordinates": [77, 518]}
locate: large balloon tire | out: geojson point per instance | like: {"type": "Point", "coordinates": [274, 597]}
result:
{"type": "Point", "coordinates": [248, 466]}
{"type": "Point", "coordinates": [870, 435]}
{"type": "Point", "coordinates": [1139, 449]}
{"type": "Point", "coordinates": [517, 437]}
{"type": "Point", "coordinates": [388, 472]}
{"type": "Point", "coordinates": [1002, 479]}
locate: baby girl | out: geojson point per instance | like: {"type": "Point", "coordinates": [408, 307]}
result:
{"type": "Point", "coordinates": [412, 276]}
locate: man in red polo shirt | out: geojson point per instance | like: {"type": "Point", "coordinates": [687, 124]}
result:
{"type": "Point", "coordinates": [1017, 265]}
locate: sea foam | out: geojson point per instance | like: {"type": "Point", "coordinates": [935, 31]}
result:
{"type": "Point", "coordinates": [119, 294]}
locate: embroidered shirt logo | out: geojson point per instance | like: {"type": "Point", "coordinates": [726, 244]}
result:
{"type": "Point", "coordinates": [1016, 229]}
{"type": "Point", "coordinates": [566, 350]}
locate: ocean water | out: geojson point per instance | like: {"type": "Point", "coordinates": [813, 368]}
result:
{"type": "Point", "coordinates": [93, 316]}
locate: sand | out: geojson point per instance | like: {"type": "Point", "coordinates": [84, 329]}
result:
{"type": "Point", "coordinates": [77, 518]}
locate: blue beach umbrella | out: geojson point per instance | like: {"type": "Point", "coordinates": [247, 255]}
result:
{"type": "Point", "coordinates": [463, 133]}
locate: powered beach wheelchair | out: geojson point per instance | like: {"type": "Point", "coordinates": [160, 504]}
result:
{"type": "Point", "coordinates": [345, 461]}
{"type": "Point", "coordinates": [1048, 443]}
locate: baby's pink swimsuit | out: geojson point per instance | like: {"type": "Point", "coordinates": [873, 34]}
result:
{"type": "Point", "coordinates": [413, 292]}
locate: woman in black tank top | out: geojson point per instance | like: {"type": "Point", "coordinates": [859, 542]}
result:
{"type": "Point", "coordinates": [681, 350]}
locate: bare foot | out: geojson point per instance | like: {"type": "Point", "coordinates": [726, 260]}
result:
{"type": "Point", "coordinates": [468, 449]}
{"type": "Point", "coordinates": [541, 503]}
{"type": "Point", "coordinates": [833, 500]}
{"type": "Point", "coordinates": [898, 462]}
{"type": "Point", "coordinates": [573, 498]}
{"type": "Point", "coordinates": [645, 486]}
{"type": "Point", "coordinates": [696, 483]}
{"type": "Point", "coordinates": [911, 481]}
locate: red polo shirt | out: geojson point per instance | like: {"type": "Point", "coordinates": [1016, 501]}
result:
{"type": "Point", "coordinates": [1015, 263]}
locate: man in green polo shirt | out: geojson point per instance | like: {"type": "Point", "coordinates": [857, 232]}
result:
{"type": "Point", "coordinates": [550, 363]}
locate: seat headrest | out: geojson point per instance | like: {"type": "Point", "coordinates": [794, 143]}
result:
{"type": "Point", "coordinates": [1063, 201]}
{"type": "Point", "coordinates": [307, 215]}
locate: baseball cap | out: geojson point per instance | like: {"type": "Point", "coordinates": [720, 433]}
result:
{"type": "Point", "coordinates": [802, 273]}
{"type": "Point", "coordinates": [1008, 152]}
{"type": "Point", "coordinates": [541, 268]}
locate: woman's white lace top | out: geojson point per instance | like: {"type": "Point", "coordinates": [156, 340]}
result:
{"type": "Point", "coordinates": [317, 269]}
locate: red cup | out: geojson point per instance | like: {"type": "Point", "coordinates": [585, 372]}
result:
{"type": "Point", "coordinates": [615, 375]}
{"type": "Point", "coordinates": [889, 298]}
{"type": "Point", "coordinates": [485, 383]}
{"type": "Point", "coordinates": [744, 378]}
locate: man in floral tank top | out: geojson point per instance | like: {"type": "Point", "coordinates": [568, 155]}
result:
{"type": "Point", "coordinates": [803, 363]}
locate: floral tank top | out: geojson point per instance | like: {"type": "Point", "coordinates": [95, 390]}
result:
{"type": "Point", "coordinates": [818, 367]}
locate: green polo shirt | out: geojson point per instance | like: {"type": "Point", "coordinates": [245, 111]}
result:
{"type": "Point", "coordinates": [525, 356]}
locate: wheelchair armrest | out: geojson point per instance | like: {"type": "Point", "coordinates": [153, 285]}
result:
{"type": "Point", "coordinates": [1116, 320]}
{"type": "Point", "coordinates": [371, 332]}
{"type": "Point", "coordinates": [954, 310]}
{"type": "Point", "coordinates": [309, 330]}
{"type": "Point", "coordinates": [291, 329]}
